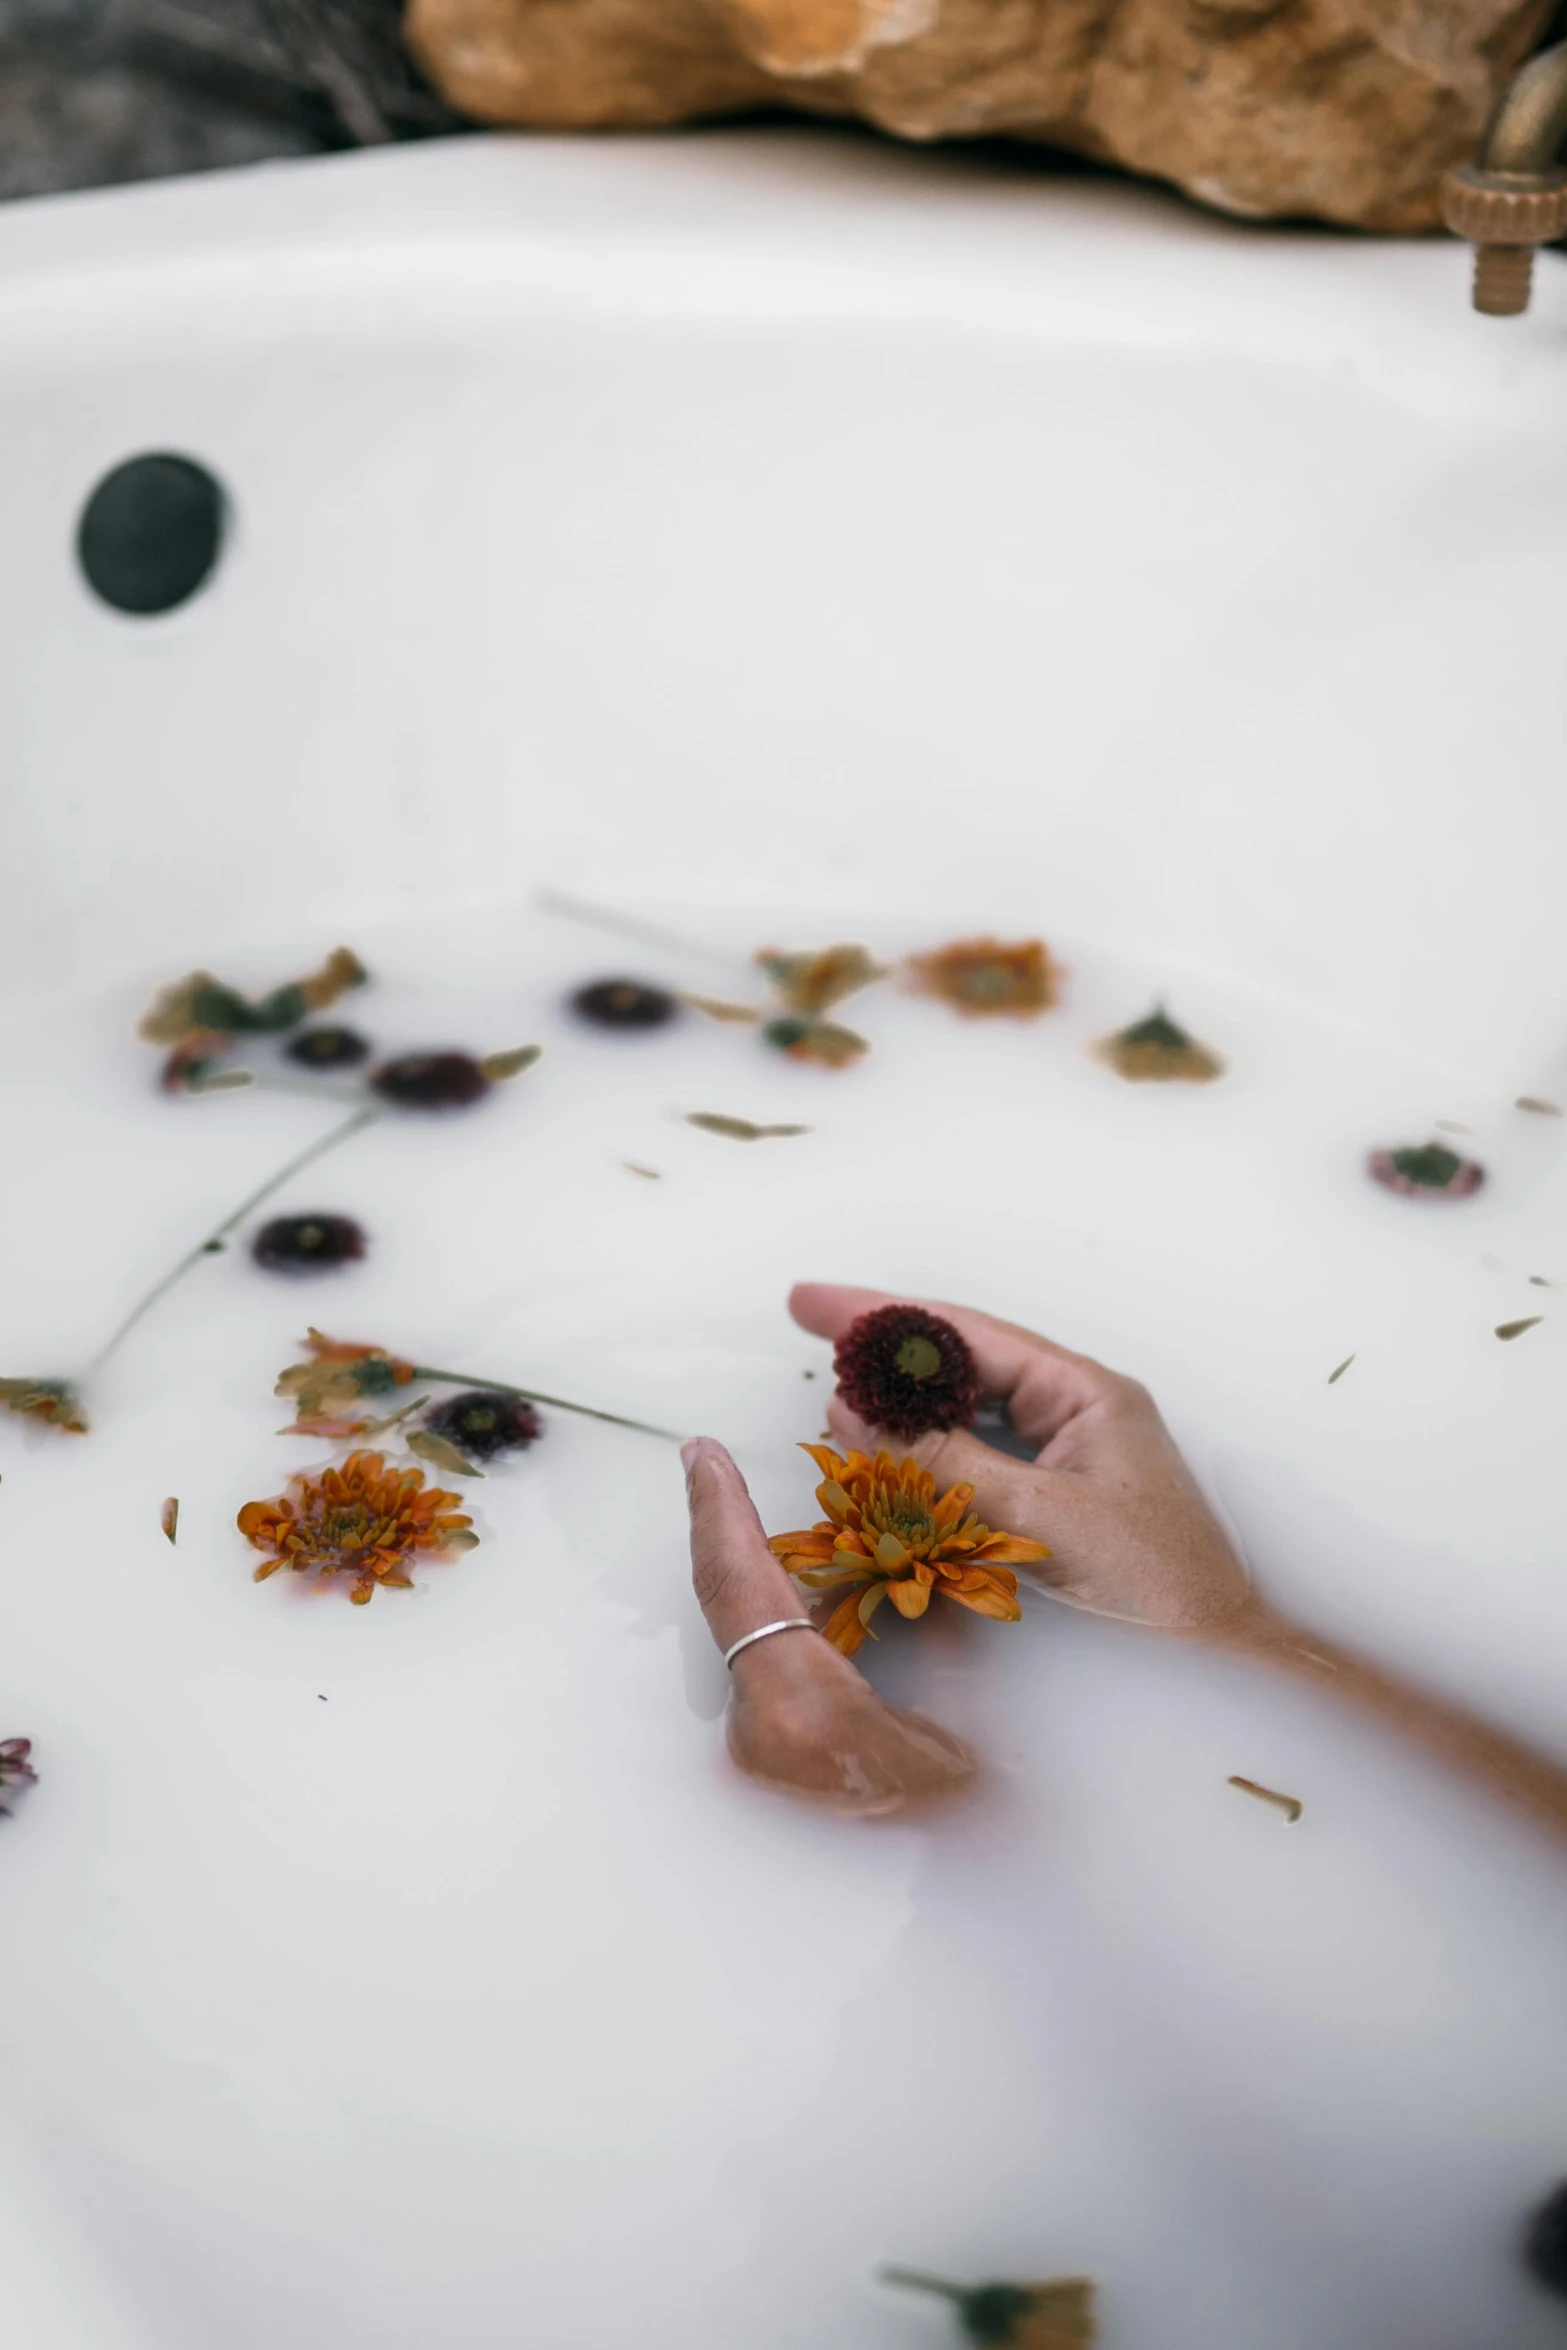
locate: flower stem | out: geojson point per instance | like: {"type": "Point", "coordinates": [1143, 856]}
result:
{"type": "Point", "coordinates": [535, 1395]}
{"type": "Point", "coordinates": [220, 1232]}
{"type": "Point", "coordinates": [648, 934]}
{"type": "Point", "coordinates": [923, 2282]}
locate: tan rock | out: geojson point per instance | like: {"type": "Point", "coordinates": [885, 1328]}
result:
{"type": "Point", "coordinates": [1343, 110]}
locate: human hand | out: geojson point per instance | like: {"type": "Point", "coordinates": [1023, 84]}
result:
{"type": "Point", "coordinates": [801, 1718]}
{"type": "Point", "coordinates": [1130, 1534]}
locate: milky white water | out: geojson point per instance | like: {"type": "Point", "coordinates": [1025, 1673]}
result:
{"type": "Point", "coordinates": [422, 1974]}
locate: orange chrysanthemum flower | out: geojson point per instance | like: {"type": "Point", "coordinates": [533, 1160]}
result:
{"type": "Point", "coordinates": [886, 1534]}
{"type": "Point", "coordinates": [54, 1401]}
{"type": "Point", "coordinates": [979, 976]}
{"type": "Point", "coordinates": [329, 1392]}
{"type": "Point", "coordinates": [363, 1519]}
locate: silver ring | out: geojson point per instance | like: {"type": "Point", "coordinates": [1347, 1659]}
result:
{"type": "Point", "coordinates": [766, 1631]}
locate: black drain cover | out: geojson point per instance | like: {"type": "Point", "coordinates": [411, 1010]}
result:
{"type": "Point", "coordinates": [150, 533]}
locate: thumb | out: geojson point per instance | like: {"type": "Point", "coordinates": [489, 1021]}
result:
{"type": "Point", "coordinates": [738, 1581]}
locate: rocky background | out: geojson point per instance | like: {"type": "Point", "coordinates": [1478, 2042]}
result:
{"type": "Point", "coordinates": [1339, 110]}
{"type": "Point", "coordinates": [93, 91]}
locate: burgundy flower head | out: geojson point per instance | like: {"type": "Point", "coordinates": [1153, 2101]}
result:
{"type": "Point", "coordinates": [624, 1003]}
{"type": "Point", "coordinates": [327, 1048]}
{"type": "Point", "coordinates": [483, 1425]}
{"type": "Point", "coordinates": [308, 1244]}
{"type": "Point", "coordinates": [431, 1081]}
{"type": "Point", "coordinates": [907, 1371]}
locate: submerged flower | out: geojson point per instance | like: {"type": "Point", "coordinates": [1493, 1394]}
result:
{"type": "Point", "coordinates": [1056, 2314]}
{"type": "Point", "coordinates": [194, 1057]}
{"type": "Point", "coordinates": [887, 1533]}
{"type": "Point", "coordinates": [363, 1520]}
{"type": "Point", "coordinates": [54, 1401]}
{"type": "Point", "coordinates": [431, 1081]}
{"type": "Point", "coordinates": [979, 976]}
{"type": "Point", "coordinates": [308, 1244]}
{"type": "Point", "coordinates": [328, 1390]}
{"type": "Point", "coordinates": [328, 1048]}
{"type": "Point", "coordinates": [907, 1370]}
{"type": "Point", "coordinates": [482, 1426]}
{"type": "Point", "coordinates": [1430, 1172]}
{"type": "Point", "coordinates": [822, 1041]}
{"type": "Point", "coordinates": [200, 1001]}
{"type": "Point", "coordinates": [16, 1769]}
{"type": "Point", "coordinates": [624, 1003]}
{"type": "Point", "coordinates": [1159, 1049]}
{"type": "Point", "coordinates": [812, 983]}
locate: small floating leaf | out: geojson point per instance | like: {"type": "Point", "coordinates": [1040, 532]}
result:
{"type": "Point", "coordinates": [1451, 1126]}
{"type": "Point", "coordinates": [1541, 1109]}
{"type": "Point", "coordinates": [497, 1067]}
{"type": "Point", "coordinates": [1517, 1329]}
{"type": "Point", "coordinates": [203, 1080]}
{"type": "Point", "coordinates": [1289, 1805]}
{"type": "Point", "coordinates": [169, 1518]}
{"type": "Point", "coordinates": [1335, 1376]}
{"type": "Point", "coordinates": [737, 1129]}
{"type": "Point", "coordinates": [443, 1452]}
{"type": "Point", "coordinates": [649, 1174]}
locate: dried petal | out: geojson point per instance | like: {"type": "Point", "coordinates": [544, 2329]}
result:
{"type": "Point", "coordinates": [737, 1129]}
{"type": "Point", "coordinates": [445, 1455]}
{"type": "Point", "coordinates": [1289, 1805]}
{"type": "Point", "coordinates": [1517, 1329]}
{"type": "Point", "coordinates": [1335, 1376]}
{"type": "Point", "coordinates": [715, 1008]}
{"type": "Point", "coordinates": [497, 1067]}
{"type": "Point", "coordinates": [169, 1518]}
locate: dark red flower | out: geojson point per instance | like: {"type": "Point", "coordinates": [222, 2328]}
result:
{"type": "Point", "coordinates": [1430, 1171]}
{"type": "Point", "coordinates": [308, 1244]}
{"type": "Point", "coordinates": [907, 1371]}
{"type": "Point", "coordinates": [483, 1425]}
{"type": "Point", "coordinates": [431, 1081]}
{"type": "Point", "coordinates": [328, 1048]}
{"type": "Point", "coordinates": [624, 1003]}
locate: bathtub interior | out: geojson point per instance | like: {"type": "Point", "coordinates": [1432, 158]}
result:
{"type": "Point", "coordinates": [755, 528]}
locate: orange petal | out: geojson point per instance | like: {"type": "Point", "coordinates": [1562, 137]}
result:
{"type": "Point", "coordinates": [910, 1597]}
{"type": "Point", "coordinates": [831, 1464]}
{"type": "Point", "coordinates": [870, 1601]}
{"type": "Point", "coordinates": [266, 1568]}
{"type": "Point", "coordinates": [989, 1600]}
{"type": "Point", "coordinates": [843, 1627]}
{"type": "Point", "coordinates": [1013, 1550]}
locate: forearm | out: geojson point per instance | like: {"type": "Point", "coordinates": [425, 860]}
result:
{"type": "Point", "coordinates": [1532, 1784]}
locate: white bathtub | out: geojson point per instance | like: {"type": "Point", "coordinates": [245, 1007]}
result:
{"type": "Point", "coordinates": [773, 515]}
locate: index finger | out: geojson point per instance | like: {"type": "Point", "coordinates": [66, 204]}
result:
{"type": "Point", "coordinates": [1044, 1386]}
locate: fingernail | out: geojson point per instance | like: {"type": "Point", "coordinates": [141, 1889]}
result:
{"type": "Point", "coordinates": [688, 1452]}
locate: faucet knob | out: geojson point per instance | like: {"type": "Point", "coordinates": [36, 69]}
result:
{"type": "Point", "coordinates": [1504, 215]}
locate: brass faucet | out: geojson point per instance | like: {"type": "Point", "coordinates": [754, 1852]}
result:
{"type": "Point", "coordinates": [1514, 195]}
